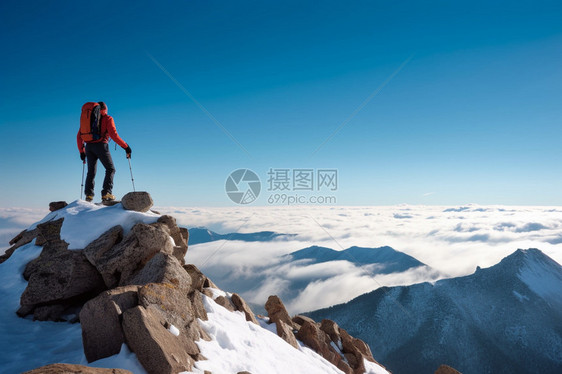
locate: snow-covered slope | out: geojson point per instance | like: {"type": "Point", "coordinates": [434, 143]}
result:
{"type": "Point", "coordinates": [503, 319]}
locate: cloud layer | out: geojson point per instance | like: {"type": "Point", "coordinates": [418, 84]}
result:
{"type": "Point", "coordinates": [453, 240]}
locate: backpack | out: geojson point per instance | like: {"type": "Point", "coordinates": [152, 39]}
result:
{"type": "Point", "coordinates": [90, 122]}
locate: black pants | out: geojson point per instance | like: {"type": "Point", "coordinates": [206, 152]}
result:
{"type": "Point", "coordinates": [95, 151]}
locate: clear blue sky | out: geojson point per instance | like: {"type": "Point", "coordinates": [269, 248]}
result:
{"type": "Point", "coordinates": [474, 115]}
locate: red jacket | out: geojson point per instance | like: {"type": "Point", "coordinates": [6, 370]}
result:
{"type": "Point", "coordinates": [107, 130]}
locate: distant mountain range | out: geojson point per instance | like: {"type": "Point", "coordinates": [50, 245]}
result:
{"type": "Point", "coordinates": [198, 235]}
{"type": "Point", "coordinates": [502, 319]}
{"type": "Point", "coordinates": [293, 275]}
{"type": "Point", "coordinates": [391, 261]}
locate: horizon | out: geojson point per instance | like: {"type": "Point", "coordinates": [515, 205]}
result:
{"type": "Point", "coordinates": [362, 104]}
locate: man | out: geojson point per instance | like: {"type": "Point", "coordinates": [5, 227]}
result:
{"type": "Point", "coordinates": [99, 149]}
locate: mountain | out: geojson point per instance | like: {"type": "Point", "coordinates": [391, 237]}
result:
{"type": "Point", "coordinates": [503, 319]}
{"type": "Point", "coordinates": [198, 235]}
{"type": "Point", "coordinates": [303, 277]}
{"type": "Point", "coordinates": [109, 286]}
{"type": "Point", "coordinates": [389, 259]}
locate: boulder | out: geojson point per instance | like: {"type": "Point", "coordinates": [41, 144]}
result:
{"type": "Point", "coordinates": [171, 302]}
{"type": "Point", "coordinates": [104, 243]}
{"type": "Point", "coordinates": [19, 240]}
{"type": "Point", "coordinates": [355, 346]}
{"type": "Point", "coordinates": [180, 244]}
{"type": "Point", "coordinates": [100, 319]}
{"type": "Point", "coordinates": [58, 277]}
{"type": "Point", "coordinates": [162, 268]}
{"type": "Point", "coordinates": [285, 332]}
{"type": "Point", "coordinates": [225, 302]}
{"type": "Point", "coordinates": [276, 310]}
{"type": "Point", "coordinates": [242, 306]}
{"type": "Point", "coordinates": [172, 306]}
{"type": "Point", "coordinates": [48, 231]}
{"type": "Point", "coordinates": [197, 277]}
{"type": "Point", "coordinates": [299, 320]}
{"type": "Point", "coordinates": [332, 329]}
{"type": "Point", "coordinates": [139, 201]}
{"type": "Point", "coordinates": [56, 205]}
{"type": "Point", "coordinates": [118, 264]}
{"type": "Point", "coordinates": [74, 369]}
{"type": "Point", "coordinates": [445, 369]}
{"type": "Point", "coordinates": [311, 335]}
{"type": "Point", "coordinates": [199, 310]}
{"type": "Point", "coordinates": [157, 349]}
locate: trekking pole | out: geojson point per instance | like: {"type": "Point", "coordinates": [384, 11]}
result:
{"type": "Point", "coordinates": [82, 186]}
{"type": "Point", "coordinates": [131, 170]}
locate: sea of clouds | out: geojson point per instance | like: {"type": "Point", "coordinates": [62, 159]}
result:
{"type": "Point", "coordinates": [452, 240]}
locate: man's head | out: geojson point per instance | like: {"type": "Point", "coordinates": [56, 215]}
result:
{"type": "Point", "coordinates": [103, 106]}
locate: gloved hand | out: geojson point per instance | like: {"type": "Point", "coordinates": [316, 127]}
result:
{"type": "Point", "coordinates": [83, 156]}
{"type": "Point", "coordinates": [128, 151]}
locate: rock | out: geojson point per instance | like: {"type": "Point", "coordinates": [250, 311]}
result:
{"type": "Point", "coordinates": [56, 205]}
{"type": "Point", "coordinates": [225, 302]}
{"type": "Point", "coordinates": [180, 248]}
{"type": "Point", "coordinates": [276, 310]}
{"type": "Point", "coordinates": [285, 332]}
{"type": "Point", "coordinates": [445, 369]}
{"type": "Point", "coordinates": [162, 268]}
{"type": "Point", "coordinates": [49, 312]}
{"type": "Point", "coordinates": [48, 231]}
{"type": "Point", "coordinates": [172, 303]}
{"type": "Point", "coordinates": [172, 306]}
{"type": "Point", "coordinates": [242, 306]}
{"type": "Point", "coordinates": [199, 310]}
{"type": "Point", "coordinates": [156, 348]}
{"type": "Point", "coordinates": [58, 276]}
{"type": "Point", "coordinates": [74, 369]}
{"type": "Point", "coordinates": [197, 277]}
{"type": "Point", "coordinates": [139, 201]}
{"type": "Point", "coordinates": [100, 318]}
{"type": "Point", "coordinates": [299, 320]}
{"type": "Point", "coordinates": [311, 335]}
{"type": "Point", "coordinates": [19, 240]}
{"type": "Point", "coordinates": [185, 234]}
{"type": "Point", "coordinates": [118, 264]}
{"type": "Point", "coordinates": [332, 329]}
{"type": "Point", "coordinates": [354, 345]}
{"type": "Point", "coordinates": [209, 283]}
{"type": "Point", "coordinates": [104, 243]}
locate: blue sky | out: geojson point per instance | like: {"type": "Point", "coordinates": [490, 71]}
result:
{"type": "Point", "coordinates": [472, 113]}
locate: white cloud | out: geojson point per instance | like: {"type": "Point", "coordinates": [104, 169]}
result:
{"type": "Point", "coordinates": [453, 240]}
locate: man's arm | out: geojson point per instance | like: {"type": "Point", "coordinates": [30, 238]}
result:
{"type": "Point", "coordinates": [80, 142]}
{"type": "Point", "coordinates": [112, 131]}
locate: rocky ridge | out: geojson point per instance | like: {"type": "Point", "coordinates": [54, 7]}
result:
{"type": "Point", "coordinates": [134, 288]}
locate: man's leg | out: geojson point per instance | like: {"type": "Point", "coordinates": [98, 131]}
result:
{"type": "Point", "coordinates": [107, 162]}
{"type": "Point", "coordinates": [92, 160]}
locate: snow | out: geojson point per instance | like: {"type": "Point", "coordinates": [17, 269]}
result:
{"type": "Point", "coordinates": [85, 222]}
{"type": "Point", "coordinates": [543, 276]}
{"type": "Point", "coordinates": [373, 368]}
{"type": "Point", "coordinates": [239, 345]}
{"type": "Point", "coordinates": [174, 330]}
{"type": "Point", "coordinates": [28, 344]}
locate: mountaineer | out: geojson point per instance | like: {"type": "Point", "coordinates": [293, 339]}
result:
{"type": "Point", "coordinates": [96, 127]}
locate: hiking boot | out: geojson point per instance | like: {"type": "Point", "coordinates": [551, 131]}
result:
{"type": "Point", "coordinates": [89, 198]}
{"type": "Point", "coordinates": [107, 197]}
